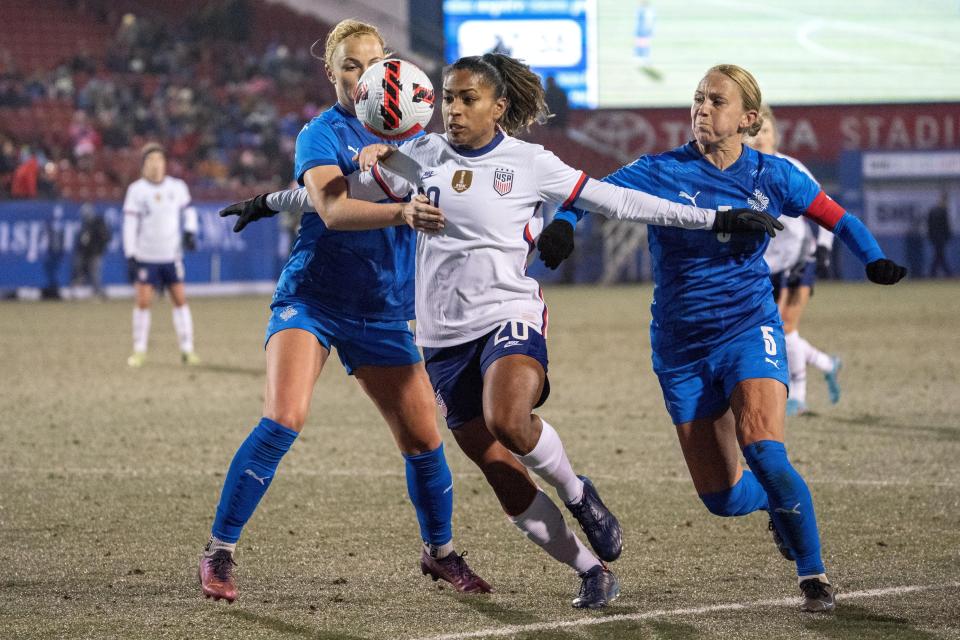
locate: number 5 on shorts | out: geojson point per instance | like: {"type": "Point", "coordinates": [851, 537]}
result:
{"type": "Point", "coordinates": [769, 344]}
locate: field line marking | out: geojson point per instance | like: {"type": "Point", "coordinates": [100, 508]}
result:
{"type": "Point", "coordinates": [686, 611]}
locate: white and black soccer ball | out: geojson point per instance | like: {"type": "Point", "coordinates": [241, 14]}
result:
{"type": "Point", "coordinates": [394, 99]}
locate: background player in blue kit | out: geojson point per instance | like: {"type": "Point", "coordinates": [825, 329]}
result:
{"type": "Point", "coordinates": [718, 347]}
{"type": "Point", "coordinates": [351, 290]}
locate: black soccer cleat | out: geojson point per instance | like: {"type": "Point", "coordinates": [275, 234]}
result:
{"type": "Point", "coordinates": [598, 588]}
{"type": "Point", "coordinates": [817, 596]}
{"type": "Point", "coordinates": [782, 547]}
{"type": "Point", "coordinates": [600, 526]}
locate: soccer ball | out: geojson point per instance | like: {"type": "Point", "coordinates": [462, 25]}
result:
{"type": "Point", "coordinates": [394, 99]}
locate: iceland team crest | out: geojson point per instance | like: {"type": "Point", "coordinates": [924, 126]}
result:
{"type": "Point", "coordinates": [503, 181]}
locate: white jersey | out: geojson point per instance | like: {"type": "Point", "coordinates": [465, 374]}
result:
{"type": "Point", "coordinates": [471, 277]}
{"type": "Point", "coordinates": [152, 219]}
{"type": "Point", "coordinates": [795, 243]}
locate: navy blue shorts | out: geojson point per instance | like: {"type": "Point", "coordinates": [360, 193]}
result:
{"type": "Point", "coordinates": [702, 388]}
{"type": "Point", "coordinates": [160, 275]}
{"type": "Point", "coordinates": [456, 373]}
{"type": "Point", "coordinates": [801, 275]}
{"type": "Point", "coordinates": [375, 343]}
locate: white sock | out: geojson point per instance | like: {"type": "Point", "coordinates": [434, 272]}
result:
{"type": "Point", "coordinates": [549, 461]}
{"type": "Point", "coordinates": [822, 577]}
{"type": "Point", "coordinates": [141, 329]}
{"type": "Point", "coordinates": [816, 357]}
{"type": "Point", "coordinates": [797, 366]}
{"type": "Point", "coordinates": [439, 550]}
{"type": "Point", "coordinates": [183, 324]}
{"type": "Point", "coordinates": [216, 544]}
{"type": "Point", "coordinates": [543, 523]}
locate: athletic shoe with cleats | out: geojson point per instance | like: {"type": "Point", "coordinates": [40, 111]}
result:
{"type": "Point", "coordinates": [777, 540]}
{"type": "Point", "coordinates": [136, 359]}
{"type": "Point", "coordinates": [189, 358]}
{"type": "Point", "coordinates": [795, 408]}
{"type": "Point", "coordinates": [216, 575]}
{"type": "Point", "coordinates": [598, 588]}
{"type": "Point", "coordinates": [453, 569]}
{"type": "Point", "coordinates": [600, 526]}
{"type": "Point", "coordinates": [817, 596]}
{"type": "Point", "coordinates": [833, 385]}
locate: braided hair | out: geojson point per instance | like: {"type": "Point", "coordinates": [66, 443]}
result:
{"type": "Point", "coordinates": [513, 80]}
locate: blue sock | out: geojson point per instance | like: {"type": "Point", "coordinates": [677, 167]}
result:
{"type": "Point", "coordinates": [791, 506]}
{"type": "Point", "coordinates": [430, 486]}
{"type": "Point", "coordinates": [249, 476]}
{"type": "Point", "coordinates": [742, 498]}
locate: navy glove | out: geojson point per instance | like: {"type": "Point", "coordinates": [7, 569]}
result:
{"type": "Point", "coordinates": [249, 211]}
{"type": "Point", "coordinates": [132, 268]}
{"type": "Point", "coordinates": [746, 220]}
{"type": "Point", "coordinates": [885, 271]}
{"type": "Point", "coordinates": [189, 241]}
{"type": "Point", "coordinates": [555, 243]}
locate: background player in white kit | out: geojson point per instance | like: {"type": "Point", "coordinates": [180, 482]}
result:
{"type": "Point", "coordinates": [480, 319]}
{"type": "Point", "coordinates": [158, 225]}
{"type": "Point", "coordinates": [792, 258]}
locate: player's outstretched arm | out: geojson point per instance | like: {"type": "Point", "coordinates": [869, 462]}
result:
{"type": "Point", "coordinates": [855, 235]}
{"type": "Point", "coordinates": [250, 210]}
{"type": "Point", "coordinates": [746, 221]}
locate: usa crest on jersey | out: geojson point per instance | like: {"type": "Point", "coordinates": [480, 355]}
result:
{"type": "Point", "coordinates": [503, 181]}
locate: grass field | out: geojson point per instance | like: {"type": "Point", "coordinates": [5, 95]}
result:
{"type": "Point", "coordinates": [109, 478]}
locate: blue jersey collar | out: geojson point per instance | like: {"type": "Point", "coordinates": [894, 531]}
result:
{"type": "Point", "coordinates": [346, 114]}
{"type": "Point", "coordinates": [742, 161]}
{"type": "Point", "coordinates": [487, 148]}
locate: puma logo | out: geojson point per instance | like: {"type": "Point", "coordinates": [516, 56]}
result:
{"type": "Point", "coordinates": [691, 198]}
{"type": "Point", "coordinates": [795, 511]}
{"type": "Point", "coordinates": [262, 480]}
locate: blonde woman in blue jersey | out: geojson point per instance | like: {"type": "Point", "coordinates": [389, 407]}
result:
{"type": "Point", "coordinates": [717, 338]}
{"type": "Point", "coordinates": [481, 320]}
{"type": "Point", "coordinates": [349, 287]}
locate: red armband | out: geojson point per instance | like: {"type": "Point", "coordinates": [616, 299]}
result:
{"type": "Point", "coordinates": [824, 211]}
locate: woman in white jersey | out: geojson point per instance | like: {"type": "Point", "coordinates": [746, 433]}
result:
{"type": "Point", "coordinates": [480, 319]}
{"type": "Point", "coordinates": [158, 225]}
{"type": "Point", "coordinates": [791, 257]}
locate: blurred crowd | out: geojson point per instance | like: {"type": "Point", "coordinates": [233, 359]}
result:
{"type": "Point", "coordinates": [228, 127]}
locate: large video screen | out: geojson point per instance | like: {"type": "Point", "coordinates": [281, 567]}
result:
{"type": "Point", "coordinates": [633, 53]}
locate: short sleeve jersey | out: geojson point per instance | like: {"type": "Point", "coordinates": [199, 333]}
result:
{"type": "Point", "coordinates": [709, 286]}
{"type": "Point", "coordinates": [472, 276]}
{"type": "Point", "coordinates": [359, 274]}
{"type": "Point", "coordinates": [158, 208]}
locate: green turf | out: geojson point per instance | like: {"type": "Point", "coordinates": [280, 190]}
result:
{"type": "Point", "coordinates": [109, 478]}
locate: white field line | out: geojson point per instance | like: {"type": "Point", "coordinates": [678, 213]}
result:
{"type": "Point", "coordinates": [689, 611]}
{"type": "Point", "coordinates": [127, 472]}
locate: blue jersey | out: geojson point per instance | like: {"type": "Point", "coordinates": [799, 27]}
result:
{"type": "Point", "coordinates": [359, 274]}
{"type": "Point", "coordinates": [709, 287]}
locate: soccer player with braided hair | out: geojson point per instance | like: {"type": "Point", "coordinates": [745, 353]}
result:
{"type": "Point", "coordinates": [481, 320]}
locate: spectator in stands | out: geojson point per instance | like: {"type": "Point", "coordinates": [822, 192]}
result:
{"type": "Point", "coordinates": [92, 243]}
{"type": "Point", "coordinates": [24, 183]}
{"type": "Point", "coordinates": [938, 230]}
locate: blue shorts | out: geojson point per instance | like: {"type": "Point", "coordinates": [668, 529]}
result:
{"type": "Point", "coordinates": [803, 274]}
{"type": "Point", "coordinates": [359, 343]}
{"type": "Point", "coordinates": [456, 373]}
{"type": "Point", "coordinates": [160, 275]}
{"type": "Point", "coordinates": [702, 388]}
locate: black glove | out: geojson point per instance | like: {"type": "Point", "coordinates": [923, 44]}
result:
{"type": "Point", "coordinates": [885, 271]}
{"type": "Point", "coordinates": [189, 241]}
{"type": "Point", "coordinates": [132, 268]}
{"type": "Point", "coordinates": [746, 220]}
{"type": "Point", "coordinates": [248, 210]}
{"type": "Point", "coordinates": [824, 257]}
{"type": "Point", "coordinates": [555, 243]}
